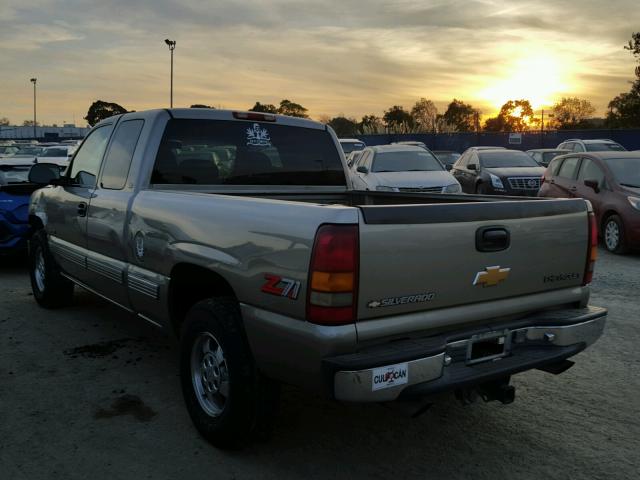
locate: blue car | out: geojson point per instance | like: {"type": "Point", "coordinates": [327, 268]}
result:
{"type": "Point", "coordinates": [15, 191]}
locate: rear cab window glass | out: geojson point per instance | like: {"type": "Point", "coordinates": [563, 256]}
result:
{"type": "Point", "coordinates": [118, 159]}
{"type": "Point", "coordinates": [210, 152]}
{"type": "Point", "coordinates": [568, 168]}
{"type": "Point", "coordinates": [86, 161]}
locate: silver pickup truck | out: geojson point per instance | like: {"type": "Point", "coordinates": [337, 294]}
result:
{"type": "Point", "coordinates": [239, 232]}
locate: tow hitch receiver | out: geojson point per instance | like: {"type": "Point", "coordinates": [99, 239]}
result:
{"type": "Point", "coordinates": [496, 390]}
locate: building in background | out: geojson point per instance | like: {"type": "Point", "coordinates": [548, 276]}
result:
{"type": "Point", "coordinates": [67, 131]}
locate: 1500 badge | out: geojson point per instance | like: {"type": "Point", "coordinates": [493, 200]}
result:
{"type": "Point", "coordinates": [394, 301]}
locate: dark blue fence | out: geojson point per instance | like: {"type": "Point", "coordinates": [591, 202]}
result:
{"type": "Point", "coordinates": [459, 142]}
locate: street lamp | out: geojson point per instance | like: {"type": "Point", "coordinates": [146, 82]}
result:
{"type": "Point", "coordinates": [172, 46]}
{"type": "Point", "coordinates": [34, 81]}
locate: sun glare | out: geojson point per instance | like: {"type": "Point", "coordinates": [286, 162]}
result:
{"type": "Point", "coordinates": [539, 79]}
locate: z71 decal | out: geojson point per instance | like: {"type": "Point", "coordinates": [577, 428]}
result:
{"type": "Point", "coordinates": [282, 287]}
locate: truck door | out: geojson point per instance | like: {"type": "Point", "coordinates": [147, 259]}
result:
{"type": "Point", "coordinates": [67, 210]}
{"type": "Point", "coordinates": [107, 255]}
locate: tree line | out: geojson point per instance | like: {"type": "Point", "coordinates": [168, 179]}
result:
{"type": "Point", "coordinates": [515, 115]}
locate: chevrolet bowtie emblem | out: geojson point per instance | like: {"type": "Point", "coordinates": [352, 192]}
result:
{"type": "Point", "coordinates": [492, 276]}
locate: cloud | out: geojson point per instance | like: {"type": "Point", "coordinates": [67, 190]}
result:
{"type": "Point", "coordinates": [336, 56]}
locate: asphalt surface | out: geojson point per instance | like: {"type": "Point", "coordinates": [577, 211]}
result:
{"type": "Point", "coordinates": [91, 392]}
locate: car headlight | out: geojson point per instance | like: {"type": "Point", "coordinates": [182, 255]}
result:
{"type": "Point", "coordinates": [383, 188]}
{"type": "Point", "coordinates": [635, 202]}
{"type": "Point", "coordinates": [495, 181]}
{"type": "Point", "coordinates": [453, 188]}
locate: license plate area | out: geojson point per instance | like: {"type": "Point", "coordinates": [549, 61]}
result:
{"type": "Point", "coordinates": [488, 346]}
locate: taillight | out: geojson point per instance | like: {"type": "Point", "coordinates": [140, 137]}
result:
{"type": "Point", "coordinates": [260, 117]}
{"type": "Point", "coordinates": [333, 276]}
{"type": "Point", "coordinates": [592, 251]}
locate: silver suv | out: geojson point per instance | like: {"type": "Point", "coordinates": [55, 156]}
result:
{"type": "Point", "coordinates": [597, 145]}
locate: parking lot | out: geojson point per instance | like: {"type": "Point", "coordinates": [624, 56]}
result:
{"type": "Point", "coordinates": [88, 392]}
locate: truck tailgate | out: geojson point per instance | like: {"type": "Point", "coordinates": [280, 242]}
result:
{"type": "Point", "coordinates": [423, 257]}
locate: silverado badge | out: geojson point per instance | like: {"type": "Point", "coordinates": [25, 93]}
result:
{"type": "Point", "coordinates": [491, 276]}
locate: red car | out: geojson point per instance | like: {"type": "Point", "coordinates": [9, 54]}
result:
{"type": "Point", "coordinates": [611, 182]}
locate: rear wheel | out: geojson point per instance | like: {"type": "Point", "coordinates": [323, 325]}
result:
{"type": "Point", "coordinates": [229, 401]}
{"type": "Point", "coordinates": [613, 235]}
{"type": "Point", "coordinates": [50, 288]}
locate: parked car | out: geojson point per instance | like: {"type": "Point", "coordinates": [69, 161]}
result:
{"type": "Point", "coordinates": [401, 168]}
{"type": "Point", "coordinates": [29, 151]}
{"type": "Point", "coordinates": [446, 157]}
{"type": "Point", "coordinates": [59, 154]}
{"type": "Point", "coordinates": [611, 182]}
{"type": "Point", "coordinates": [412, 143]}
{"type": "Point", "coordinates": [599, 145]}
{"type": "Point", "coordinates": [275, 270]}
{"type": "Point", "coordinates": [351, 145]}
{"type": "Point", "coordinates": [543, 156]}
{"type": "Point", "coordinates": [15, 191]}
{"type": "Point", "coordinates": [8, 150]}
{"type": "Point", "coordinates": [498, 172]}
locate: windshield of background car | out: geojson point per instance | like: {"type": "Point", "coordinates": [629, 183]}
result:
{"type": "Point", "coordinates": [29, 151]}
{"type": "Point", "coordinates": [8, 150]}
{"type": "Point", "coordinates": [54, 152]}
{"type": "Point", "coordinates": [11, 174]}
{"type": "Point", "coordinates": [210, 152]}
{"type": "Point", "coordinates": [506, 159]}
{"type": "Point", "coordinates": [448, 158]}
{"type": "Point", "coordinates": [405, 161]}
{"type": "Point", "coordinates": [626, 171]}
{"type": "Point", "coordinates": [604, 147]}
{"type": "Point", "coordinates": [348, 147]}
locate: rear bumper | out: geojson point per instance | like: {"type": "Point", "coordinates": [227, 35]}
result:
{"type": "Point", "coordinates": [440, 363]}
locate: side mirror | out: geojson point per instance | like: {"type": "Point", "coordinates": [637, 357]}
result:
{"type": "Point", "coordinates": [593, 184]}
{"type": "Point", "coordinates": [362, 169]}
{"type": "Point", "coordinates": [448, 167]}
{"type": "Point", "coordinates": [472, 166]}
{"type": "Point", "coordinates": [44, 173]}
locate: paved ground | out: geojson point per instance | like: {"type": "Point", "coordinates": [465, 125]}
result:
{"type": "Point", "coordinates": [89, 392]}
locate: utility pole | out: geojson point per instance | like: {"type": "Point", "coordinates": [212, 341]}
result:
{"type": "Point", "coordinates": [34, 81]}
{"type": "Point", "coordinates": [542, 130]}
{"type": "Point", "coordinates": [172, 46]}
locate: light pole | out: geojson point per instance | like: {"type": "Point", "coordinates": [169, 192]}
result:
{"type": "Point", "coordinates": [172, 46]}
{"type": "Point", "coordinates": [34, 81]}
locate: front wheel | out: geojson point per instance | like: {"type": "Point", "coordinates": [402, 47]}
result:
{"type": "Point", "coordinates": [614, 237]}
{"type": "Point", "coordinates": [228, 400]}
{"type": "Point", "coordinates": [50, 288]}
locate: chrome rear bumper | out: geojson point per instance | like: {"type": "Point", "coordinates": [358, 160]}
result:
{"type": "Point", "coordinates": [532, 346]}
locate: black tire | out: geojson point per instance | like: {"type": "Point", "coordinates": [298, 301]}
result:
{"type": "Point", "coordinates": [613, 235]}
{"type": "Point", "coordinates": [248, 410]}
{"type": "Point", "coordinates": [50, 289]}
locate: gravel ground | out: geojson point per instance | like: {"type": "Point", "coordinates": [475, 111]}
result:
{"type": "Point", "coordinates": [90, 392]}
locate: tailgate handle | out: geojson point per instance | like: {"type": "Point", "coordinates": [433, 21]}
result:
{"type": "Point", "coordinates": [492, 239]}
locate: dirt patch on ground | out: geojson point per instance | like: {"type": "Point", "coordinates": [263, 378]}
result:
{"type": "Point", "coordinates": [127, 405]}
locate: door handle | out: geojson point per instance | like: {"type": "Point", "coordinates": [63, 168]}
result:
{"type": "Point", "coordinates": [82, 209]}
{"type": "Point", "coordinates": [573, 189]}
{"type": "Point", "coordinates": [492, 239]}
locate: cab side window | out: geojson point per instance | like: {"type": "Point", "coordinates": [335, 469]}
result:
{"type": "Point", "coordinates": [118, 160]}
{"type": "Point", "coordinates": [86, 162]}
{"type": "Point", "coordinates": [568, 168]}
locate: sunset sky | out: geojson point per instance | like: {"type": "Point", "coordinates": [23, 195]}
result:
{"type": "Point", "coordinates": [332, 56]}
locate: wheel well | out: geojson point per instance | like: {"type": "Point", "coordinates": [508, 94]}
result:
{"type": "Point", "coordinates": [35, 222]}
{"type": "Point", "coordinates": [189, 284]}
